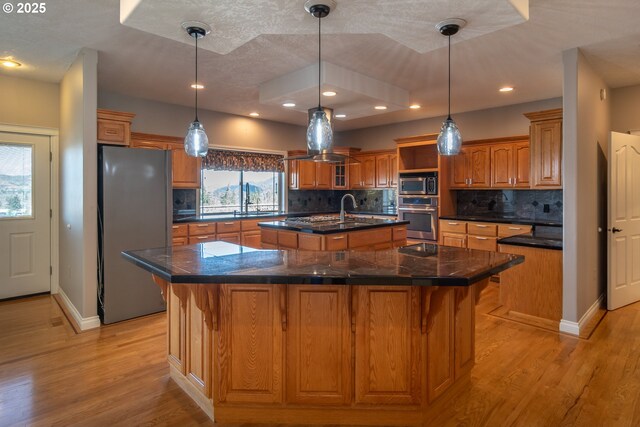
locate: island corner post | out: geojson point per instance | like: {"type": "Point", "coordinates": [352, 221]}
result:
{"type": "Point", "coordinates": [371, 353]}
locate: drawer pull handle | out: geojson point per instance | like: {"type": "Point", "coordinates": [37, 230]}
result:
{"type": "Point", "coordinates": [515, 228]}
{"type": "Point", "coordinates": [453, 223]}
{"type": "Point", "coordinates": [482, 226]}
{"type": "Point", "coordinates": [338, 238]}
{"type": "Point", "coordinates": [175, 227]}
{"type": "Point", "coordinates": [202, 225]}
{"type": "Point", "coordinates": [481, 238]}
{"type": "Point", "coordinates": [228, 223]}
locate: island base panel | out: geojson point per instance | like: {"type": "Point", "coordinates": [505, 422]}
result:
{"type": "Point", "coordinates": [391, 354]}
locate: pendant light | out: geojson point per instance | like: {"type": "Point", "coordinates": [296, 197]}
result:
{"type": "Point", "coordinates": [196, 143]}
{"type": "Point", "coordinates": [319, 132]}
{"type": "Point", "coordinates": [449, 141]}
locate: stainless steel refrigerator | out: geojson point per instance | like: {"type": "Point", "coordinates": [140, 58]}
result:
{"type": "Point", "coordinates": [134, 212]}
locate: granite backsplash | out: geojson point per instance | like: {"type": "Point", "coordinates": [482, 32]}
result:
{"type": "Point", "coordinates": [526, 204]}
{"type": "Point", "coordinates": [329, 200]}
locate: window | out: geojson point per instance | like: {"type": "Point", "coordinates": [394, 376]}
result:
{"type": "Point", "coordinates": [237, 182]}
{"type": "Point", "coordinates": [16, 181]}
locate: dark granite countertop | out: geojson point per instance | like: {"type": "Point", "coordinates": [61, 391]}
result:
{"type": "Point", "coordinates": [415, 265]}
{"type": "Point", "coordinates": [266, 215]}
{"type": "Point", "coordinates": [330, 227]}
{"type": "Point", "coordinates": [544, 238]}
{"type": "Point", "coordinates": [506, 219]}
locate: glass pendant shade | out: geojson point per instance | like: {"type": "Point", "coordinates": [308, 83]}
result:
{"type": "Point", "coordinates": [319, 133]}
{"type": "Point", "coordinates": [449, 141]}
{"type": "Point", "coordinates": [196, 142]}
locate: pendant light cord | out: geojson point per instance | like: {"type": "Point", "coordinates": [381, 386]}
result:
{"type": "Point", "coordinates": [197, 36]}
{"type": "Point", "coordinates": [449, 114]}
{"type": "Point", "coordinates": [319, 56]}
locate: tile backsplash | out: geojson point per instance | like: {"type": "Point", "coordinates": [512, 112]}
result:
{"type": "Point", "coordinates": [529, 204]}
{"type": "Point", "coordinates": [329, 200]}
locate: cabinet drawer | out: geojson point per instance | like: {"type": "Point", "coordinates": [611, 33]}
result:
{"type": "Point", "coordinates": [359, 239]}
{"type": "Point", "coordinates": [202, 228]}
{"type": "Point", "coordinates": [227, 226]}
{"type": "Point", "coordinates": [310, 242]}
{"type": "Point", "coordinates": [179, 241]}
{"type": "Point", "coordinates": [251, 239]}
{"type": "Point", "coordinates": [482, 243]}
{"type": "Point", "coordinates": [229, 237]}
{"type": "Point", "coordinates": [269, 236]}
{"type": "Point", "coordinates": [202, 239]}
{"type": "Point", "coordinates": [180, 230]}
{"type": "Point", "coordinates": [336, 242]}
{"type": "Point", "coordinates": [288, 239]}
{"type": "Point", "coordinates": [112, 132]}
{"type": "Point", "coordinates": [506, 230]}
{"type": "Point", "coordinates": [399, 233]}
{"type": "Point", "coordinates": [482, 229]}
{"type": "Point", "coordinates": [452, 226]}
{"type": "Point", "coordinates": [456, 240]}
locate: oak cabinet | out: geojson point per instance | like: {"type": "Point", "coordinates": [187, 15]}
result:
{"type": "Point", "coordinates": [251, 239]}
{"type": "Point", "coordinates": [522, 165]}
{"type": "Point", "coordinates": [249, 344]}
{"type": "Point", "coordinates": [185, 169]}
{"type": "Point", "coordinates": [340, 173]}
{"type": "Point", "coordinates": [114, 127]}
{"type": "Point", "coordinates": [471, 168]}
{"type": "Point", "coordinates": [393, 167]}
{"type": "Point", "coordinates": [454, 239]}
{"type": "Point", "coordinates": [387, 345]}
{"type": "Point", "coordinates": [363, 174]}
{"type": "Point", "coordinates": [318, 345]}
{"type": "Point", "coordinates": [546, 148]}
{"type": "Point", "coordinates": [510, 165]}
{"type": "Point", "coordinates": [293, 175]}
{"type": "Point", "coordinates": [477, 235]}
{"type": "Point", "coordinates": [305, 174]}
{"type": "Point", "coordinates": [198, 342]}
{"type": "Point", "coordinates": [383, 170]}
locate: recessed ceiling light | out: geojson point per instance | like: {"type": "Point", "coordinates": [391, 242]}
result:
{"type": "Point", "coordinates": [254, 114]}
{"type": "Point", "coordinates": [10, 63]}
{"type": "Point", "coordinates": [197, 86]}
{"type": "Point", "coordinates": [414, 106]}
{"type": "Point", "coordinates": [506, 89]}
{"type": "Point", "coordinates": [289, 104]}
{"type": "Point", "coordinates": [340, 116]}
{"type": "Point", "coordinates": [380, 107]}
{"type": "Point", "coordinates": [329, 93]}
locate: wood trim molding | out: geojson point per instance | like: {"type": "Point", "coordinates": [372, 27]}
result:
{"type": "Point", "coordinates": [157, 138]}
{"type": "Point", "coordinates": [115, 115]}
{"type": "Point", "coordinates": [501, 140]}
{"type": "Point", "coordinates": [417, 138]}
{"type": "Point", "coordinates": [537, 116]}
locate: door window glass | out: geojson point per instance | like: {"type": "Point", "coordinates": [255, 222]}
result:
{"type": "Point", "coordinates": [16, 181]}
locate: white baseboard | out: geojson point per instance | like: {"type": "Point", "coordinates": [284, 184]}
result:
{"type": "Point", "coordinates": [573, 328]}
{"type": "Point", "coordinates": [83, 322]}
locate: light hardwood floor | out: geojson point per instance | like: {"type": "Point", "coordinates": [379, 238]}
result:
{"type": "Point", "coordinates": [118, 375]}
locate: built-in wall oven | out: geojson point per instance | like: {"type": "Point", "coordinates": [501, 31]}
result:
{"type": "Point", "coordinates": [422, 214]}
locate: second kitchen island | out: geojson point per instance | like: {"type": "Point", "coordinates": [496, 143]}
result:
{"type": "Point", "coordinates": [320, 337]}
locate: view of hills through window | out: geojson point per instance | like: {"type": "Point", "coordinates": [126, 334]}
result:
{"type": "Point", "coordinates": [15, 180]}
{"type": "Point", "coordinates": [229, 191]}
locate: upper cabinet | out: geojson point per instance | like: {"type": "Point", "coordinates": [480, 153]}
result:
{"type": "Point", "coordinates": [546, 148]}
{"type": "Point", "coordinates": [471, 168]}
{"type": "Point", "coordinates": [114, 127]}
{"type": "Point", "coordinates": [510, 165]}
{"type": "Point", "coordinates": [186, 169]}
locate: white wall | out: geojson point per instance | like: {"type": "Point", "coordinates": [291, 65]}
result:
{"type": "Point", "coordinates": [226, 130]}
{"type": "Point", "coordinates": [29, 102]}
{"type": "Point", "coordinates": [78, 185]}
{"type": "Point", "coordinates": [481, 124]}
{"type": "Point", "coordinates": [625, 109]}
{"type": "Point", "coordinates": [586, 126]}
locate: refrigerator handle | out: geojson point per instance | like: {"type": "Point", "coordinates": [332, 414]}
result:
{"type": "Point", "coordinates": [169, 196]}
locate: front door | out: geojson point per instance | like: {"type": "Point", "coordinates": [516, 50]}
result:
{"type": "Point", "coordinates": [25, 224]}
{"type": "Point", "coordinates": [624, 220]}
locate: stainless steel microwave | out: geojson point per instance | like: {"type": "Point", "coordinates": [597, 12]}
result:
{"type": "Point", "coordinates": [419, 184]}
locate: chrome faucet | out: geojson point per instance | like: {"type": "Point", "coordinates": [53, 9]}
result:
{"type": "Point", "coordinates": [342, 205]}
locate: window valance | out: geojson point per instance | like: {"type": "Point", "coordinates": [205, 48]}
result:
{"type": "Point", "coordinates": [229, 160]}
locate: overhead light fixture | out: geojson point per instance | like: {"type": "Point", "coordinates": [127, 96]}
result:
{"type": "Point", "coordinates": [380, 107]}
{"type": "Point", "coordinates": [340, 116]}
{"type": "Point", "coordinates": [289, 104]}
{"type": "Point", "coordinates": [414, 106]}
{"type": "Point", "coordinates": [329, 93]}
{"type": "Point", "coordinates": [449, 141]}
{"type": "Point", "coordinates": [196, 143]}
{"type": "Point", "coordinates": [197, 86]}
{"type": "Point", "coordinates": [254, 114]}
{"type": "Point", "coordinates": [10, 63]}
{"type": "Point", "coordinates": [506, 89]}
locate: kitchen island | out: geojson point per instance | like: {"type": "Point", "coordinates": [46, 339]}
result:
{"type": "Point", "coordinates": [320, 337]}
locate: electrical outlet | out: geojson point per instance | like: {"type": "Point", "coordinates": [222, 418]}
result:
{"type": "Point", "coordinates": [545, 208]}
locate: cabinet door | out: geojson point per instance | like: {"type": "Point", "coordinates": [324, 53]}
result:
{"type": "Point", "coordinates": [318, 345]}
{"type": "Point", "coordinates": [368, 172]}
{"type": "Point", "coordinates": [198, 343]}
{"type": "Point", "coordinates": [458, 167]}
{"type": "Point", "coordinates": [177, 300]}
{"type": "Point", "coordinates": [306, 174]}
{"type": "Point", "coordinates": [393, 168]}
{"type": "Point", "coordinates": [479, 167]}
{"type": "Point", "coordinates": [249, 344]}
{"type": "Point", "coordinates": [502, 167]}
{"type": "Point", "coordinates": [293, 174]}
{"type": "Point", "coordinates": [324, 176]}
{"type": "Point", "coordinates": [387, 347]}
{"type": "Point", "coordinates": [340, 176]}
{"type": "Point", "coordinates": [383, 171]}
{"type": "Point", "coordinates": [355, 174]}
{"type": "Point", "coordinates": [455, 240]}
{"type": "Point", "coordinates": [251, 239]}
{"type": "Point", "coordinates": [186, 169]}
{"type": "Point", "coordinates": [546, 154]}
{"type": "Point", "coordinates": [521, 165]}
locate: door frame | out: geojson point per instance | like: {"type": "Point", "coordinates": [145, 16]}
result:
{"type": "Point", "coordinates": [54, 192]}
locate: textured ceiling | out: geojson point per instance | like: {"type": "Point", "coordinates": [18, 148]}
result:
{"type": "Point", "coordinates": [140, 64]}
